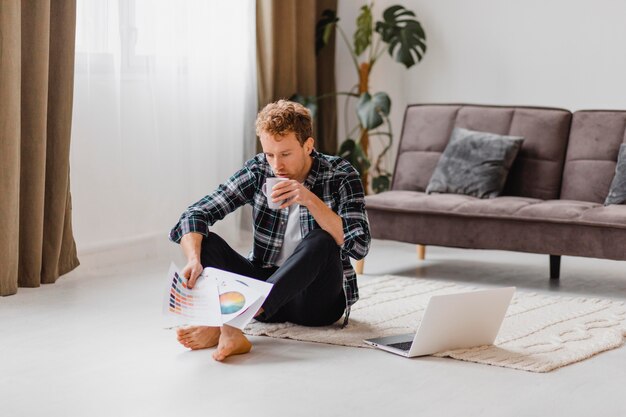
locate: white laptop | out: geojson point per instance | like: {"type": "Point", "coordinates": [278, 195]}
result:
{"type": "Point", "coordinates": [453, 321]}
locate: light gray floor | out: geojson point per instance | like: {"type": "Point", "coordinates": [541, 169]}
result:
{"type": "Point", "coordinates": [91, 345]}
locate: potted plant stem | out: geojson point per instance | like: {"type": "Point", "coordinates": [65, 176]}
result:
{"type": "Point", "coordinates": [404, 39]}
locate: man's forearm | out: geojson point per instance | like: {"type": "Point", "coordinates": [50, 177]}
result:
{"type": "Point", "coordinates": [327, 219]}
{"type": "Point", "coordinates": [191, 244]}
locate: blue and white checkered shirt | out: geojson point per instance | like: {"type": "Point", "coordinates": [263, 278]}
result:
{"type": "Point", "coordinates": [332, 179]}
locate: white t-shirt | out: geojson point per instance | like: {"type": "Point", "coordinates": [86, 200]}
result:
{"type": "Point", "coordinates": [293, 234]}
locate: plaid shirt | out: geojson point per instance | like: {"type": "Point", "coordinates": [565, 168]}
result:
{"type": "Point", "coordinates": [332, 179]}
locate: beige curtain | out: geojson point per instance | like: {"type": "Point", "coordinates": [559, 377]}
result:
{"type": "Point", "coordinates": [287, 63]}
{"type": "Point", "coordinates": [36, 88]}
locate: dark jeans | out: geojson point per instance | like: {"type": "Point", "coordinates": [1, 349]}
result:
{"type": "Point", "coordinates": [308, 287]}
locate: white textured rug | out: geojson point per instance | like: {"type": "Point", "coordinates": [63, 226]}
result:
{"type": "Point", "coordinates": [540, 333]}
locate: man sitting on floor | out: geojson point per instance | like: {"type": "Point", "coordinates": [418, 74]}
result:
{"type": "Point", "coordinates": [303, 248]}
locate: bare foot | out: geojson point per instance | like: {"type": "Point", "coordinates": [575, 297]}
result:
{"type": "Point", "coordinates": [232, 342]}
{"type": "Point", "coordinates": [198, 337]}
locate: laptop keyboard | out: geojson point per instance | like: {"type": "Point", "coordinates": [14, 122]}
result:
{"type": "Point", "coordinates": [401, 345]}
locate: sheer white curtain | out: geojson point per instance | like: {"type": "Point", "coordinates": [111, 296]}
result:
{"type": "Point", "coordinates": [164, 101]}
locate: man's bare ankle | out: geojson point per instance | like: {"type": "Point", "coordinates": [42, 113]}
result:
{"type": "Point", "coordinates": [232, 342]}
{"type": "Point", "coordinates": [231, 331]}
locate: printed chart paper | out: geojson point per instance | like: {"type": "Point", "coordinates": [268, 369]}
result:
{"type": "Point", "coordinates": [184, 306]}
{"type": "Point", "coordinates": [240, 296]}
{"type": "Point", "coordinates": [219, 297]}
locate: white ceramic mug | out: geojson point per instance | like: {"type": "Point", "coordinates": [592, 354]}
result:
{"type": "Point", "coordinates": [270, 182]}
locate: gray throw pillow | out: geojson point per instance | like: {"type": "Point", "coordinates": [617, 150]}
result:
{"type": "Point", "coordinates": [617, 192]}
{"type": "Point", "coordinates": [474, 163]}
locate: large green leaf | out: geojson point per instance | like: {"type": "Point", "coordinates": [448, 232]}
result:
{"type": "Point", "coordinates": [363, 33]}
{"type": "Point", "coordinates": [324, 29]}
{"type": "Point", "coordinates": [370, 109]}
{"type": "Point", "coordinates": [403, 33]}
{"type": "Point", "coordinates": [381, 183]}
{"type": "Point", "coordinates": [351, 151]}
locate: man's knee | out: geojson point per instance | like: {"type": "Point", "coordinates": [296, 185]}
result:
{"type": "Point", "coordinates": [321, 240]}
{"type": "Point", "coordinates": [321, 236]}
{"type": "Point", "coordinates": [210, 239]}
{"type": "Point", "coordinates": [212, 246]}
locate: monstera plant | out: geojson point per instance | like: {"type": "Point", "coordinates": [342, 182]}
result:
{"type": "Point", "coordinates": [404, 39]}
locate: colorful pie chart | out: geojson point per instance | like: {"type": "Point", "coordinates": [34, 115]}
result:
{"type": "Point", "coordinates": [231, 302]}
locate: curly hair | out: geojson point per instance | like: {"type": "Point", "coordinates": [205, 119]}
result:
{"type": "Point", "coordinates": [282, 117]}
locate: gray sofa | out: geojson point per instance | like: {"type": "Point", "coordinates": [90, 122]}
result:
{"type": "Point", "coordinates": [553, 199]}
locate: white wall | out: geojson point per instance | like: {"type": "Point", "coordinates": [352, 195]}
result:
{"type": "Point", "coordinates": [561, 53]}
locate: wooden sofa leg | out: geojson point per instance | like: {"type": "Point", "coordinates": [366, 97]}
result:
{"type": "Point", "coordinates": [421, 252]}
{"type": "Point", "coordinates": [555, 266]}
{"type": "Point", "coordinates": [359, 266]}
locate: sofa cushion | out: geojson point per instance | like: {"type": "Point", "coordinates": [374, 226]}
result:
{"type": "Point", "coordinates": [415, 201]}
{"type": "Point", "coordinates": [557, 210]}
{"type": "Point", "coordinates": [592, 153]}
{"type": "Point", "coordinates": [613, 215]}
{"type": "Point", "coordinates": [617, 192]}
{"type": "Point", "coordinates": [536, 172]}
{"type": "Point", "coordinates": [522, 209]}
{"type": "Point", "coordinates": [474, 163]}
{"type": "Point", "coordinates": [482, 232]}
{"type": "Point", "coordinates": [464, 205]}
